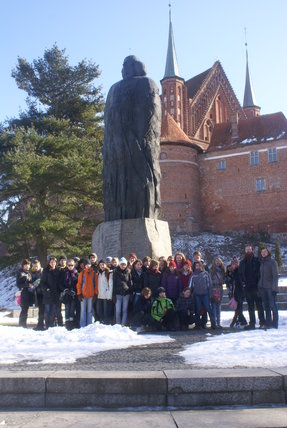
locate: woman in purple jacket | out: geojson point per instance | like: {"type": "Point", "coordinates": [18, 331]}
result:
{"type": "Point", "coordinates": [171, 281]}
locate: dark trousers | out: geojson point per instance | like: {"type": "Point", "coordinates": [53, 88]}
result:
{"type": "Point", "coordinates": [23, 316]}
{"type": "Point", "coordinates": [77, 313]}
{"type": "Point", "coordinates": [185, 318]}
{"type": "Point", "coordinates": [141, 318]}
{"type": "Point", "coordinates": [169, 321]}
{"type": "Point", "coordinates": [51, 311]}
{"type": "Point", "coordinates": [105, 310]}
{"type": "Point", "coordinates": [253, 298]}
{"type": "Point", "coordinates": [270, 307]}
{"type": "Point", "coordinates": [70, 310]}
{"type": "Point", "coordinates": [41, 311]}
{"type": "Point", "coordinates": [59, 315]}
{"type": "Point", "coordinates": [238, 317]}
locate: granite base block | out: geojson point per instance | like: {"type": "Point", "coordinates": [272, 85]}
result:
{"type": "Point", "coordinates": [143, 236]}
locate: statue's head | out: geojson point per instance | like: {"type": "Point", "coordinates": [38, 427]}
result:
{"type": "Point", "coordinates": [132, 66]}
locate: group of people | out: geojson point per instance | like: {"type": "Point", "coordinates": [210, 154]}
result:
{"type": "Point", "coordinates": [169, 294]}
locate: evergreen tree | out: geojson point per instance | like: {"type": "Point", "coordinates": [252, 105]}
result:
{"type": "Point", "coordinates": [50, 160]}
{"type": "Point", "coordinates": [278, 256]}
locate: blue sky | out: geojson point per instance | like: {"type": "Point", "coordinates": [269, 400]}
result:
{"type": "Point", "coordinates": [106, 31]}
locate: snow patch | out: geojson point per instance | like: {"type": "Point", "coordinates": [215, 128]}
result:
{"type": "Point", "coordinates": [59, 346]}
{"type": "Point", "coordinates": [252, 348]}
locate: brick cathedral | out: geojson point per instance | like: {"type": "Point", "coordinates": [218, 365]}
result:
{"type": "Point", "coordinates": [223, 165]}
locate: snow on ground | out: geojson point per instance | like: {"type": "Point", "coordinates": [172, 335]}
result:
{"type": "Point", "coordinates": [252, 348]}
{"type": "Point", "coordinates": [59, 346]}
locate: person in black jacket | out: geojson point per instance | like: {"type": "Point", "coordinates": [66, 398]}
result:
{"type": "Point", "coordinates": [152, 278]}
{"type": "Point", "coordinates": [50, 284]}
{"type": "Point", "coordinates": [122, 289]}
{"type": "Point", "coordinates": [68, 285]}
{"type": "Point", "coordinates": [36, 272]}
{"type": "Point", "coordinates": [141, 316]}
{"type": "Point", "coordinates": [250, 271]}
{"type": "Point", "coordinates": [137, 277]}
{"type": "Point", "coordinates": [185, 308]}
{"type": "Point", "coordinates": [25, 284]}
{"type": "Point", "coordinates": [234, 284]}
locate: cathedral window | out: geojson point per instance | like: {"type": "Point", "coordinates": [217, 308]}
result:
{"type": "Point", "coordinates": [172, 111]}
{"type": "Point", "coordinates": [163, 155]}
{"type": "Point", "coordinates": [260, 184]}
{"type": "Point", "coordinates": [171, 98]}
{"type": "Point", "coordinates": [254, 158]}
{"type": "Point", "coordinates": [272, 155]}
{"type": "Point", "coordinates": [221, 165]}
{"type": "Point", "coordinates": [171, 103]}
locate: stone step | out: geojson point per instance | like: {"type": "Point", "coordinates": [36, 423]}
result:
{"type": "Point", "coordinates": [168, 388]}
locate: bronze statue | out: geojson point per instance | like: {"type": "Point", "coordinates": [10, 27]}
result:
{"type": "Point", "coordinates": [131, 172]}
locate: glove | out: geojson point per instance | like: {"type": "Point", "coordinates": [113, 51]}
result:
{"type": "Point", "coordinates": [80, 297]}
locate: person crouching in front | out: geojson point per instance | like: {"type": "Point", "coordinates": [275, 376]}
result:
{"type": "Point", "coordinates": [163, 312]}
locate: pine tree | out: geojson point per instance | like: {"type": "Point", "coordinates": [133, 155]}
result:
{"type": "Point", "coordinates": [50, 160]}
{"type": "Point", "coordinates": [278, 256]}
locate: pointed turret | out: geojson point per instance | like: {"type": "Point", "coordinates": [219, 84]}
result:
{"type": "Point", "coordinates": [173, 89]}
{"type": "Point", "coordinates": [171, 66]}
{"type": "Point", "coordinates": [250, 106]}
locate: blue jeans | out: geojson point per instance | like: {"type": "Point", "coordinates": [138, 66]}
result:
{"type": "Point", "coordinates": [70, 310]}
{"type": "Point", "coordinates": [270, 307]}
{"type": "Point", "coordinates": [86, 311]}
{"type": "Point", "coordinates": [122, 304]}
{"type": "Point", "coordinates": [51, 311]}
{"type": "Point", "coordinates": [203, 299]}
{"type": "Point", "coordinates": [216, 310]}
{"type": "Point", "coordinates": [135, 299]}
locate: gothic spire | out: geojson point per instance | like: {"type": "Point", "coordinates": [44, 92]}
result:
{"type": "Point", "coordinates": [249, 97]}
{"type": "Point", "coordinates": [171, 66]}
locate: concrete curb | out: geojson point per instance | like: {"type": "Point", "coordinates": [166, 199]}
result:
{"type": "Point", "coordinates": [178, 388]}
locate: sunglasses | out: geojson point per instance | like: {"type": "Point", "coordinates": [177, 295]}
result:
{"type": "Point", "coordinates": [70, 265]}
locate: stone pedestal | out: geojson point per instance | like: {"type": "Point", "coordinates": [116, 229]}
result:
{"type": "Point", "coordinates": [143, 236]}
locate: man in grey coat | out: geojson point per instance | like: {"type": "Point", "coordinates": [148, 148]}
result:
{"type": "Point", "coordinates": [268, 287]}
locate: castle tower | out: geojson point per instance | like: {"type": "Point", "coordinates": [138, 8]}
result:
{"type": "Point", "coordinates": [174, 95]}
{"type": "Point", "coordinates": [250, 106]}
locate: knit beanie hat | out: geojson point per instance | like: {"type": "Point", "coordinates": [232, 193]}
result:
{"type": "Point", "coordinates": [172, 263]}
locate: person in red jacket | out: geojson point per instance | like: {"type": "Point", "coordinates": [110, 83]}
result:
{"type": "Point", "coordinates": [186, 274]}
{"type": "Point", "coordinates": [87, 288]}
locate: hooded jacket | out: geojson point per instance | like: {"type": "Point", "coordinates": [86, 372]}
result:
{"type": "Point", "coordinates": [268, 274]}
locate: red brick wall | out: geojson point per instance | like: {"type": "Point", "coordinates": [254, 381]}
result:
{"type": "Point", "coordinates": [229, 197]}
{"type": "Point", "coordinates": [180, 192]}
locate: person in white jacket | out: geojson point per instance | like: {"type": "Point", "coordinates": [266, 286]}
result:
{"type": "Point", "coordinates": [105, 304]}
